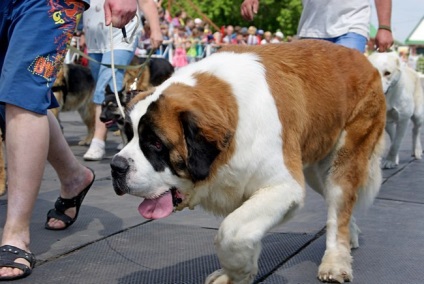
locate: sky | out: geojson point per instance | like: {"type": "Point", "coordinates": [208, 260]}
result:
{"type": "Point", "coordinates": [406, 14]}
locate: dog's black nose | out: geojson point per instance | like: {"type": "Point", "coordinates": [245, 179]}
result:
{"type": "Point", "coordinates": [119, 165]}
{"type": "Point", "coordinates": [103, 118]}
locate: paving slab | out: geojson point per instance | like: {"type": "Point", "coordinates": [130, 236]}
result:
{"type": "Point", "coordinates": [158, 253]}
{"type": "Point", "coordinates": [408, 185]}
{"type": "Point", "coordinates": [390, 249]}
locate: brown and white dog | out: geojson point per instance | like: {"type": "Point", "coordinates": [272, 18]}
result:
{"type": "Point", "coordinates": [240, 132]}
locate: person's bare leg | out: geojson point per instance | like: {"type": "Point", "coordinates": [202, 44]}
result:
{"type": "Point", "coordinates": [74, 176]}
{"type": "Point", "coordinates": [25, 166]}
{"type": "Point", "coordinates": [23, 188]}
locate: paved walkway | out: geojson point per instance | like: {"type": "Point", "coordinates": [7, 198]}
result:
{"type": "Point", "coordinates": [112, 243]}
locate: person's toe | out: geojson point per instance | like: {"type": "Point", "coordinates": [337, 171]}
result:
{"type": "Point", "coordinates": [13, 272]}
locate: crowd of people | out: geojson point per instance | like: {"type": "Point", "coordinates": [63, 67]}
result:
{"type": "Point", "coordinates": [189, 38]}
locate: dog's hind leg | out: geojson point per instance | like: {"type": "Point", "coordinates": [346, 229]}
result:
{"type": "Point", "coordinates": [417, 119]}
{"type": "Point", "coordinates": [354, 171]}
{"type": "Point", "coordinates": [316, 176]}
{"type": "Point", "coordinates": [416, 137]}
{"type": "Point", "coordinates": [88, 116]}
{"type": "Point", "coordinates": [392, 159]}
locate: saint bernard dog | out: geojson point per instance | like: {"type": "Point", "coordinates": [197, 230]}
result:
{"type": "Point", "coordinates": [241, 132]}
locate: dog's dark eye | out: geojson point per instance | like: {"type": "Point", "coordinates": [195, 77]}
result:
{"type": "Point", "coordinates": [387, 73]}
{"type": "Point", "coordinates": [157, 144]}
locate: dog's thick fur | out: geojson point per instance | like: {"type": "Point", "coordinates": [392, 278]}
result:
{"type": "Point", "coordinates": [240, 132]}
{"type": "Point", "coordinates": [404, 101]}
{"type": "Point", "coordinates": [73, 89]}
{"type": "Point", "coordinates": [153, 74]}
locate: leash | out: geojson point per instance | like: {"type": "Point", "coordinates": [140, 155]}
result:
{"type": "Point", "coordinates": [113, 70]}
{"type": "Point", "coordinates": [74, 49]}
{"type": "Point", "coordinates": [113, 67]}
{"type": "Point", "coordinates": [126, 67]}
{"type": "Point", "coordinates": [143, 66]}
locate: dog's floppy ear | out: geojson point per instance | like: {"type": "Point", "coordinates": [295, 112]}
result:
{"type": "Point", "coordinates": [201, 152]}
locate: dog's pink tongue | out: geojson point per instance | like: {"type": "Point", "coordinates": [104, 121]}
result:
{"type": "Point", "coordinates": [157, 208]}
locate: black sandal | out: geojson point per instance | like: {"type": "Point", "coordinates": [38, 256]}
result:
{"type": "Point", "coordinates": [62, 204]}
{"type": "Point", "coordinates": [8, 255]}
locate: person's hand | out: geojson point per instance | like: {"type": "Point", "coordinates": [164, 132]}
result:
{"type": "Point", "coordinates": [119, 12]}
{"type": "Point", "coordinates": [383, 40]}
{"type": "Point", "coordinates": [249, 8]}
{"type": "Point", "coordinates": [156, 39]}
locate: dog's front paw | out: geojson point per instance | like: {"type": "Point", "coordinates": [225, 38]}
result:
{"type": "Point", "coordinates": [336, 266]}
{"type": "Point", "coordinates": [417, 154]}
{"type": "Point", "coordinates": [334, 273]}
{"type": "Point", "coordinates": [388, 164]}
{"type": "Point", "coordinates": [218, 277]}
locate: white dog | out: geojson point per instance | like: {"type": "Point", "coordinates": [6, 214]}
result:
{"type": "Point", "coordinates": [404, 101]}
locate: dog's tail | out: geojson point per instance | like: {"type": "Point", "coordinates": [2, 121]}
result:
{"type": "Point", "coordinates": [369, 191]}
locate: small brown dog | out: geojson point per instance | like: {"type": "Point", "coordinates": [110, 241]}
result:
{"type": "Point", "coordinates": [73, 89]}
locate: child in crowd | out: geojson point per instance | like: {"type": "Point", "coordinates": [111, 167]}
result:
{"type": "Point", "coordinates": [180, 55]}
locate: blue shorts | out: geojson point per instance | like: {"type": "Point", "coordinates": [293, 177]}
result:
{"type": "Point", "coordinates": [351, 40]}
{"type": "Point", "coordinates": [103, 74]}
{"type": "Point", "coordinates": [33, 43]}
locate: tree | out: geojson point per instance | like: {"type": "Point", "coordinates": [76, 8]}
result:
{"type": "Point", "coordinates": [272, 15]}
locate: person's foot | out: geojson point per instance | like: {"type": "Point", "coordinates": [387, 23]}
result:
{"type": "Point", "coordinates": [71, 212]}
{"type": "Point", "coordinates": [96, 152]}
{"type": "Point", "coordinates": [11, 273]}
